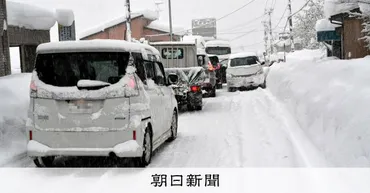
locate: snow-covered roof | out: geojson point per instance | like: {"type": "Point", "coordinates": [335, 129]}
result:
{"type": "Point", "coordinates": [29, 16]}
{"type": "Point", "coordinates": [242, 55]}
{"type": "Point", "coordinates": [201, 43]}
{"type": "Point", "coordinates": [334, 7]}
{"type": "Point", "coordinates": [36, 18]}
{"type": "Point", "coordinates": [93, 45]}
{"type": "Point", "coordinates": [325, 25]}
{"type": "Point", "coordinates": [218, 43]}
{"type": "Point", "coordinates": [172, 43]}
{"type": "Point", "coordinates": [164, 27]}
{"type": "Point", "coordinates": [151, 15]}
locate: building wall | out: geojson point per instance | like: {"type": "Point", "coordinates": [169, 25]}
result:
{"type": "Point", "coordinates": [4, 42]}
{"type": "Point", "coordinates": [148, 32]}
{"type": "Point", "coordinates": [138, 30]}
{"type": "Point", "coordinates": [21, 36]}
{"type": "Point", "coordinates": [353, 47]}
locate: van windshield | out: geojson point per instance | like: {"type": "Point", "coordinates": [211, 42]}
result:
{"type": "Point", "coordinates": [218, 50]}
{"type": "Point", "coordinates": [246, 61]}
{"type": "Point", "coordinates": [66, 69]}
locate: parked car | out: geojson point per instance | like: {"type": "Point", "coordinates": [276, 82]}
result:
{"type": "Point", "coordinates": [186, 84]}
{"type": "Point", "coordinates": [99, 98]}
{"type": "Point", "coordinates": [244, 71]}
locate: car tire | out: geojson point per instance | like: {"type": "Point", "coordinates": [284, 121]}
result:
{"type": "Point", "coordinates": [190, 107]}
{"type": "Point", "coordinates": [146, 158]}
{"type": "Point", "coordinates": [213, 93]}
{"type": "Point", "coordinates": [44, 162]}
{"type": "Point", "coordinates": [263, 86]}
{"type": "Point", "coordinates": [174, 126]}
{"type": "Point", "coordinates": [231, 89]}
{"type": "Point", "coordinates": [199, 108]}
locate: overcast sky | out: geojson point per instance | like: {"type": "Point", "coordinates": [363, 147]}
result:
{"type": "Point", "coordinates": [89, 13]}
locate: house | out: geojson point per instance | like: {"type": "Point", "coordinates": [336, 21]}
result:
{"type": "Point", "coordinates": [144, 24]}
{"type": "Point", "coordinates": [349, 28]}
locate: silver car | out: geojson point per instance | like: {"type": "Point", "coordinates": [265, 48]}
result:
{"type": "Point", "coordinates": [99, 98]}
{"type": "Point", "coordinates": [244, 70]}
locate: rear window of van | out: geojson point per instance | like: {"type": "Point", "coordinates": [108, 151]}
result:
{"type": "Point", "coordinates": [66, 69]}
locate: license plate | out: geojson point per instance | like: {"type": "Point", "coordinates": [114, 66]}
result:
{"type": "Point", "coordinates": [80, 106]}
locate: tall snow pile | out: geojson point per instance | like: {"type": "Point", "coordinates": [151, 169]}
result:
{"type": "Point", "coordinates": [331, 100]}
{"type": "Point", "coordinates": [14, 91]}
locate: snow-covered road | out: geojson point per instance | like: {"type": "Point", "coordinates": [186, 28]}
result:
{"type": "Point", "coordinates": [240, 129]}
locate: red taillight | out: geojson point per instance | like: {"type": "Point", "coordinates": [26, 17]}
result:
{"type": "Point", "coordinates": [30, 135]}
{"type": "Point", "coordinates": [33, 86]}
{"type": "Point", "coordinates": [134, 135]}
{"type": "Point", "coordinates": [195, 88]}
{"type": "Point", "coordinates": [132, 83]}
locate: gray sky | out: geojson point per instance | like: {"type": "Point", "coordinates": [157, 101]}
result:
{"type": "Point", "coordinates": [89, 13]}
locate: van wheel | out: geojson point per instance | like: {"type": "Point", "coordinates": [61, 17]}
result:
{"type": "Point", "coordinates": [44, 162]}
{"type": "Point", "coordinates": [174, 126]}
{"type": "Point", "coordinates": [148, 150]}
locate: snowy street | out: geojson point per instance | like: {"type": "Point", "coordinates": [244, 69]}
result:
{"type": "Point", "coordinates": [241, 129]}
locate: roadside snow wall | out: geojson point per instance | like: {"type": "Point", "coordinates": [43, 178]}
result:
{"type": "Point", "coordinates": [331, 101]}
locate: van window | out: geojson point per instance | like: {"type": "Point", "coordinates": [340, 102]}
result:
{"type": "Point", "coordinates": [246, 61]}
{"type": "Point", "coordinates": [139, 64]}
{"type": "Point", "coordinates": [66, 69]}
{"type": "Point", "coordinates": [149, 70]}
{"type": "Point", "coordinates": [218, 50]}
{"type": "Point", "coordinates": [160, 80]}
{"type": "Point", "coordinates": [175, 53]}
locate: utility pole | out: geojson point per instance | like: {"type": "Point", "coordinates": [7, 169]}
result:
{"type": "Point", "coordinates": [291, 23]}
{"type": "Point", "coordinates": [266, 38]}
{"type": "Point", "coordinates": [128, 21]}
{"type": "Point", "coordinates": [270, 29]}
{"type": "Point", "coordinates": [170, 16]}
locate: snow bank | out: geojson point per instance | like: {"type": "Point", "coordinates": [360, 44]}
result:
{"type": "Point", "coordinates": [325, 25]}
{"type": "Point", "coordinates": [65, 17]}
{"type": "Point", "coordinates": [29, 16]}
{"type": "Point", "coordinates": [14, 91]}
{"type": "Point", "coordinates": [331, 100]}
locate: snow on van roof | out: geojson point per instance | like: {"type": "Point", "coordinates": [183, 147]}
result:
{"type": "Point", "coordinates": [220, 43]}
{"type": "Point", "coordinates": [93, 45]}
{"type": "Point", "coordinates": [172, 43]}
{"type": "Point", "coordinates": [242, 55]}
{"type": "Point", "coordinates": [29, 16]}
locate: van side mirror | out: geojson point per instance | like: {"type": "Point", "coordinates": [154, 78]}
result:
{"type": "Point", "coordinates": [263, 63]}
{"type": "Point", "coordinates": [173, 79]}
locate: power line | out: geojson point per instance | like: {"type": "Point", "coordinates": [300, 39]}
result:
{"type": "Point", "coordinates": [281, 19]}
{"type": "Point", "coordinates": [254, 30]}
{"type": "Point", "coordinates": [246, 23]}
{"type": "Point", "coordinates": [304, 6]}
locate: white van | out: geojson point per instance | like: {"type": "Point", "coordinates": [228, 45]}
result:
{"type": "Point", "coordinates": [244, 71]}
{"type": "Point", "coordinates": [99, 98]}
